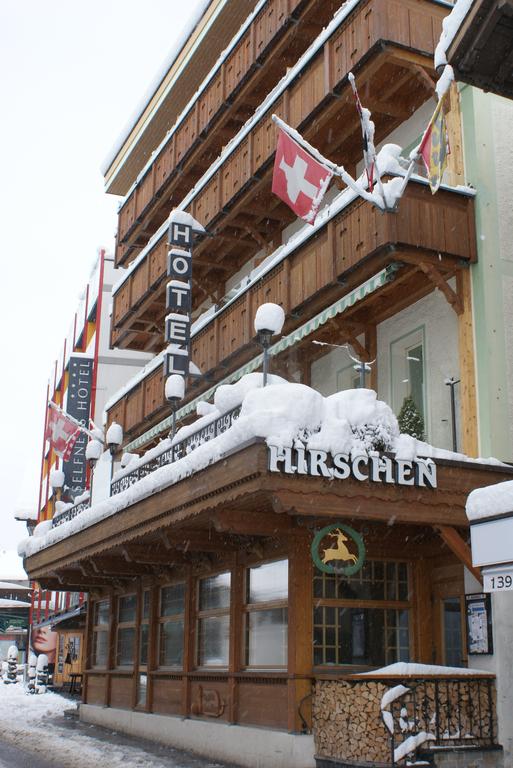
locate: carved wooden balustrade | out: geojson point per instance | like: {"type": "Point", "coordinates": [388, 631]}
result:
{"type": "Point", "coordinates": [351, 247]}
{"type": "Point", "coordinates": [389, 45]}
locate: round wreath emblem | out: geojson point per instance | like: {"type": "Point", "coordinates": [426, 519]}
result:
{"type": "Point", "coordinates": [340, 553]}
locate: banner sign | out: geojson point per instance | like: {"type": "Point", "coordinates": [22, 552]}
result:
{"type": "Point", "coordinates": [376, 468]}
{"type": "Point", "coordinates": [78, 406]}
{"type": "Point", "coordinates": [179, 299]}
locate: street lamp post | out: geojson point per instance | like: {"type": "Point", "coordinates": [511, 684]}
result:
{"type": "Point", "coordinates": [114, 439]}
{"type": "Point", "coordinates": [174, 391]}
{"type": "Point", "coordinates": [269, 319]}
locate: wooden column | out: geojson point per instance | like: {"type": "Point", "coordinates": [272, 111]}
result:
{"type": "Point", "coordinates": [87, 649]}
{"type": "Point", "coordinates": [153, 628]}
{"type": "Point", "coordinates": [469, 439]}
{"type": "Point", "coordinates": [236, 636]}
{"type": "Point", "coordinates": [111, 657]}
{"type": "Point", "coordinates": [300, 632]}
{"type": "Point", "coordinates": [455, 162]}
{"type": "Point", "coordinates": [189, 640]}
{"type": "Point", "coordinates": [422, 641]}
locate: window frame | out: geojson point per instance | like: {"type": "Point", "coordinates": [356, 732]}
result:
{"type": "Point", "coordinates": [259, 607]}
{"type": "Point", "coordinates": [122, 625]}
{"type": "Point", "coordinates": [385, 605]}
{"type": "Point", "coordinates": [175, 618]}
{"type": "Point", "coordinates": [207, 613]}
{"type": "Point", "coordinates": [98, 628]}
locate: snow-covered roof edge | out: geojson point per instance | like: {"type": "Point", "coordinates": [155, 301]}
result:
{"type": "Point", "coordinates": [490, 501]}
{"type": "Point", "coordinates": [154, 85]}
{"type": "Point", "coordinates": [450, 27]}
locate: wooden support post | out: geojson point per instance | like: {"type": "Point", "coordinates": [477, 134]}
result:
{"type": "Point", "coordinates": [423, 632]}
{"type": "Point", "coordinates": [300, 634]}
{"type": "Point", "coordinates": [189, 641]}
{"type": "Point", "coordinates": [441, 283]}
{"type": "Point", "coordinates": [455, 163]}
{"type": "Point", "coordinates": [459, 547]}
{"type": "Point", "coordinates": [236, 637]}
{"type": "Point", "coordinates": [468, 404]}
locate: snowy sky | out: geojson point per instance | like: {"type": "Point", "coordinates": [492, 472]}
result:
{"type": "Point", "coordinates": [70, 81]}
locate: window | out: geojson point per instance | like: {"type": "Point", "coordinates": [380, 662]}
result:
{"type": "Point", "coordinates": [171, 618]}
{"type": "Point", "coordinates": [125, 643]}
{"type": "Point", "coordinates": [453, 639]}
{"type": "Point", "coordinates": [101, 633]}
{"type": "Point", "coordinates": [266, 619]}
{"type": "Point", "coordinates": [407, 361]}
{"type": "Point", "coordinates": [350, 628]}
{"type": "Point", "coordinates": [142, 681]}
{"type": "Point", "coordinates": [214, 620]}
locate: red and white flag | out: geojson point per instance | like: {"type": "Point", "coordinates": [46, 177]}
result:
{"type": "Point", "coordinates": [299, 179]}
{"type": "Point", "coordinates": [62, 431]}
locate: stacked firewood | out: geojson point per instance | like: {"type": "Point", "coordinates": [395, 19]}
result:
{"type": "Point", "coordinates": [347, 721]}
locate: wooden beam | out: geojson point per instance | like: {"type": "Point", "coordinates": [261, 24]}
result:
{"type": "Point", "coordinates": [459, 547]}
{"type": "Point", "coordinates": [468, 398]}
{"type": "Point", "coordinates": [261, 524]}
{"type": "Point", "coordinates": [441, 283]}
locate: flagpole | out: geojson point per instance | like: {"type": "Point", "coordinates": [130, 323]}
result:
{"type": "Point", "coordinates": [80, 426]}
{"type": "Point", "coordinates": [338, 170]}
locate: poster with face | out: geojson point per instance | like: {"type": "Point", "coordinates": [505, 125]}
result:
{"type": "Point", "coordinates": [43, 640]}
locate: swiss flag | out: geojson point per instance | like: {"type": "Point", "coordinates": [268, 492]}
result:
{"type": "Point", "coordinates": [61, 431]}
{"type": "Point", "coordinates": [299, 179]}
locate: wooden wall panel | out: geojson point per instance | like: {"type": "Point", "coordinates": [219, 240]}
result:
{"type": "Point", "coordinates": [209, 697]}
{"type": "Point", "coordinates": [206, 204]}
{"type": "Point", "coordinates": [310, 269]}
{"type": "Point", "coordinates": [231, 331]}
{"type": "Point", "coordinates": [121, 302]}
{"type": "Point", "coordinates": [164, 164]}
{"type": "Point", "coordinates": [140, 281]}
{"type": "Point", "coordinates": [144, 193]}
{"type": "Point", "coordinates": [121, 692]}
{"type": "Point", "coordinates": [307, 93]}
{"type": "Point", "coordinates": [158, 261]}
{"type": "Point", "coordinates": [238, 63]}
{"type": "Point", "coordinates": [96, 689]}
{"type": "Point", "coordinates": [153, 388]}
{"type": "Point", "coordinates": [352, 41]}
{"type": "Point", "coordinates": [263, 704]}
{"type": "Point", "coordinates": [117, 413]}
{"type": "Point", "coordinates": [167, 696]}
{"type": "Point", "coordinates": [204, 348]}
{"type": "Point", "coordinates": [235, 172]}
{"type": "Point", "coordinates": [126, 216]}
{"type": "Point", "coordinates": [214, 97]}
{"type": "Point", "coordinates": [134, 408]}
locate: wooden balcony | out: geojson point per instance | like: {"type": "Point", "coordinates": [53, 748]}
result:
{"type": "Point", "coordinates": [390, 46]}
{"type": "Point", "coordinates": [431, 237]}
{"type": "Point", "coordinates": [275, 39]}
{"type": "Point", "coordinates": [481, 50]}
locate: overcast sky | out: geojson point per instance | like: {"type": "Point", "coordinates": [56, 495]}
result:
{"type": "Point", "coordinates": [71, 76]}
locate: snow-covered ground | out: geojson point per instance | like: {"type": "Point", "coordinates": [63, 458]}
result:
{"type": "Point", "coordinates": [36, 725]}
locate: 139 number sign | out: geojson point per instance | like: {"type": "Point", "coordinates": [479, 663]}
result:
{"type": "Point", "coordinates": [498, 582]}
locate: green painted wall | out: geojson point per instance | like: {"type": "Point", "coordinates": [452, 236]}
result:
{"type": "Point", "coordinates": [483, 139]}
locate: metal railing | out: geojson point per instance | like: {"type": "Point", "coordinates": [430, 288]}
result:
{"type": "Point", "coordinates": [69, 514]}
{"type": "Point", "coordinates": [441, 712]}
{"type": "Point", "coordinates": [177, 451]}
{"type": "Point", "coordinates": [170, 455]}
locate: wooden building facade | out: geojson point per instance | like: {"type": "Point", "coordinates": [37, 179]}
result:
{"type": "Point", "coordinates": [206, 598]}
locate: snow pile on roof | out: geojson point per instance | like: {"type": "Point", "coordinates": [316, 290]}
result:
{"type": "Point", "coordinates": [411, 669]}
{"type": "Point", "coordinates": [490, 501]}
{"type": "Point", "coordinates": [354, 422]}
{"type": "Point", "coordinates": [450, 26]}
{"type": "Point", "coordinates": [25, 514]}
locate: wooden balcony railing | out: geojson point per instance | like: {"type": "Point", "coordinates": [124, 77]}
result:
{"type": "Point", "coordinates": [234, 201]}
{"type": "Point", "coordinates": [353, 245]}
{"type": "Point", "coordinates": [273, 40]}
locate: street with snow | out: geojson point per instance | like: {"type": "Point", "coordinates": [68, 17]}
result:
{"type": "Point", "coordinates": [43, 731]}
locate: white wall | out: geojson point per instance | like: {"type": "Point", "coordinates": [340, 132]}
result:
{"type": "Point", "coordinates": [440, 324]}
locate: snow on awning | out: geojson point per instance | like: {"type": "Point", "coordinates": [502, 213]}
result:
{"type": "Point", "coordinates": [353, 297]}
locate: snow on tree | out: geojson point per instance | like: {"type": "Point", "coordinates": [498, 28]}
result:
{"type": "Point", "coordinates": [32, 665]}
{"type": "Point", "coordinates": [41, 673]}
{"type": "Point", "coordinates": [410, 419]}
{"type": "Point", "coordinates": [12, 665]}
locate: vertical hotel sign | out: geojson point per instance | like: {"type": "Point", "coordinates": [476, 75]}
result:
{"type": "Point", "coordinates": [182, 227]}
{"type": "Point", "coordinates": [78, 406]}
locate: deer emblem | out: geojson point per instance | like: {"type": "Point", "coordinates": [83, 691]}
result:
{"type": "Point", "coordinates": [340, 551]}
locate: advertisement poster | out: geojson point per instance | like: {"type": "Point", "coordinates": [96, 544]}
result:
{"type": "Point", "coordinates": [479, 624]}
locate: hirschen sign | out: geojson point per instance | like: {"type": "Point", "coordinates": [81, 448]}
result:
{"type": "Point", "coordinates": [78, 406]}
{"type": "Point", "coordinates": [376, 468]}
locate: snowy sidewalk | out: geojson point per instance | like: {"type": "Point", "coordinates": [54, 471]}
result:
{"type": "Point", "coordinates": [37, 725]}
